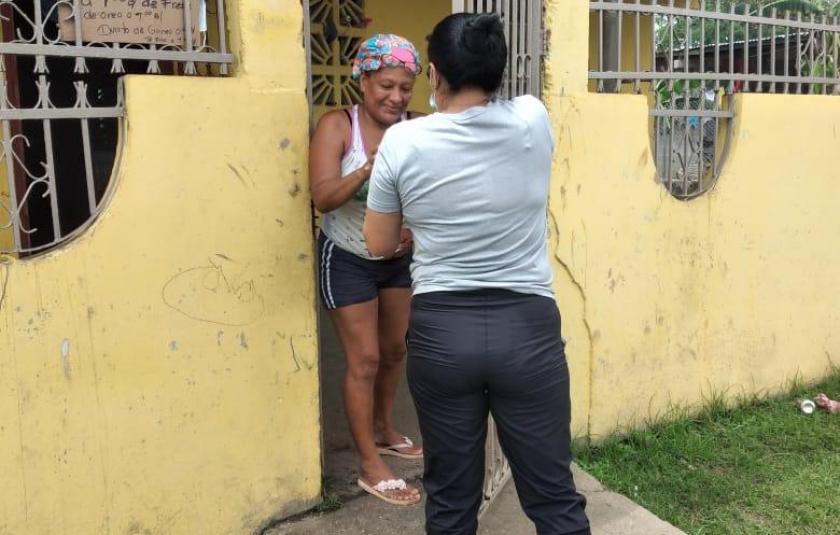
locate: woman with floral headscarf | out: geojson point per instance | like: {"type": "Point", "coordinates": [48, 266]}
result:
{"type": "Point", "coordinates": [367, 296]}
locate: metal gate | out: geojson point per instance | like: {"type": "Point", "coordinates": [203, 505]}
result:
{"type": "Point", "coordinates": [331, 39]}
{"type": "Point", "coordinates": [523, 22]}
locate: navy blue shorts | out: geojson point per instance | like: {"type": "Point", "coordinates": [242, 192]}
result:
{"type": "Point", "coordinates": [347, 279]}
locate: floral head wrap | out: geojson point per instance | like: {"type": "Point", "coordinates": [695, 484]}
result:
{"type": "Point", "coordinates": [386, 50]}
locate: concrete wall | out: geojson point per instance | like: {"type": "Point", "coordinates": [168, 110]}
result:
{"type": "Point", "coordinates": [159, 374]}
{"type": "Point", "coordinates": [666, 301]}
{"type": "Point", "coordinates": [7, 239]}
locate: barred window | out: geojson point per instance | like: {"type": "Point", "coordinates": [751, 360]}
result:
{"type": "Point", "coordinates": [691, 57]}
{"type": "Point", "coordinates": [62, 101]}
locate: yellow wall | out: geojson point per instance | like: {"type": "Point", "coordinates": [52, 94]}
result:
{"type": "Point", "coordinates": [666, 301]}
{"type": "Point", "coordinates": [159, 374]}
{"type": "Point", "coordinates": [7, 239]}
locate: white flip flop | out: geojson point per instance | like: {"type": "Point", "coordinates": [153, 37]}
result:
{"type": "Point", "coordinates": [397, 450]}
{"type": "Point", "coordinates": [380, 489]}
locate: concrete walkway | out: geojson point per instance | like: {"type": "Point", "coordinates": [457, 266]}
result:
{"type": "Point", "coordinates": [609, 513]}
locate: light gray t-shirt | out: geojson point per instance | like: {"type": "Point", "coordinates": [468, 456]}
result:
{"type": "Point", "coordinates": [473, 188]}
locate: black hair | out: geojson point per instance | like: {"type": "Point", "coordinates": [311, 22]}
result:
{"type": "Point", "coordinates": [469, 50]}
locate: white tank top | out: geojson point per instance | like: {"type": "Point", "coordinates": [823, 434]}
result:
{"type": "Point", "coordinates": [344, 224]}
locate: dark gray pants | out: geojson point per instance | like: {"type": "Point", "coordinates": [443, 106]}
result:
{"type": "Point", "coordinates": [500, 352]}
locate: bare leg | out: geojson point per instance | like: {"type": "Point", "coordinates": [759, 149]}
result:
{"type": "Point", "coordinates": [394, 308]}
{"type": "Point", "coordinates": [357, 326]}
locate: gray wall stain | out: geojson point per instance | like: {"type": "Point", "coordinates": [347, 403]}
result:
{"type": "Point", "coordinates": [65, 357]}
{"type": "Point", "coordinates": [4, 282]}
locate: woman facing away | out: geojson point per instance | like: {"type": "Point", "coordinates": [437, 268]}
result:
{"type": "Point", "coordinates": [471, 183]}
{"type": "Point", "coordinates": [367, 295]}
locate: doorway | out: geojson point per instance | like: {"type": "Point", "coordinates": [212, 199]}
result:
{"type": "Point", "coordinates": [334, 31]}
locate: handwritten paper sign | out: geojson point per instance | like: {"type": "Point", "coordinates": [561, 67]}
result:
{"type": "Point", "coordinates": [159, 22]}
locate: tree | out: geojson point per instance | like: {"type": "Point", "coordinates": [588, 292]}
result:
{"type": "Point", "coordinates": [829, 8]}
{"type": "Point", "coordinates": [726, 29]}
{"type": "Point", "coordinates": [678, 32]}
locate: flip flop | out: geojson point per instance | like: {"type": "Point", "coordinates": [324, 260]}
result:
{"type": "Point", "coordinates": [398, 450]}
{"type": "Point", "coordinates": [381, 489]}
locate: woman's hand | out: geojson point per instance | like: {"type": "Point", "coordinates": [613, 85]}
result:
{"type": "Point", "coordinates": [368, 166]}
{"type": "Point", "coordinates": [364, 174]}
{"type": "Point", "coordinates": [329, 189]}
{"type": "Point", "coordinates": [406, 242]}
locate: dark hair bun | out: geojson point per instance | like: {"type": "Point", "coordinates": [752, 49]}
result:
{"type": "Point", "coordinates": [483, 33]}
{"type": "Point", "coordinates": [469, 50]}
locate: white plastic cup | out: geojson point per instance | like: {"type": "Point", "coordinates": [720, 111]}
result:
{"type": "Point", "coordinates": [807, 406]}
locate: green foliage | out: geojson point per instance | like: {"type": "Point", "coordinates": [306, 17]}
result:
{"type": "Point", "coordinates": [735, 32]}
{"type": "Point", "coordinates": [758, 467]}
{"type": "Point", "coordinates": [676, 33]}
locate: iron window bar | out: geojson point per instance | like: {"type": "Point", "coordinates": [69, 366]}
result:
{"type": "Point", "coordinates": [61, 111]}
{"type": "Point", "coordinates": [741, 47]}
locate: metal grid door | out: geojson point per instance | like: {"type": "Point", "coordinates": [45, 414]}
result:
{"type": "Point", "coordinates": [334, 31]}
{"type": "Point", "coordinates": [523, 21]}
{"type": "Point", "coordinates": [524, 34]}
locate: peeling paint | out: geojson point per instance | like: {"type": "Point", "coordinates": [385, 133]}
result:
{"type": "Point", "coordinates": [294, 190]}
{"type": "Point", "coordinates": [4, 281]}
{"type": "Point", "coordinates": [236, 173]}
{"type": "Point", "coordinates": [299, 361]}
{"type": "Point", "coordinates": [585, 318]}
{"type": "Point", "coordinates": [65, 357]}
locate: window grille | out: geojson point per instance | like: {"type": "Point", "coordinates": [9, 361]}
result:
{"type": "Point", "coordinates": [336, 29]}
{"type": "Point", "coordinates": [690, 58]}
{"type": "Point", "coordinates": [525, 37]}
{"type": "Point", "coordinates": [62, 100]}
{"type": "Point", "coordinates": [523, 22]}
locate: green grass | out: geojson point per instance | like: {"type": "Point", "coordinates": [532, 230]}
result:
{"type": "Point", "coordinates": [761, 467]}
{"type": "Point", "coordinates": [330, 501]}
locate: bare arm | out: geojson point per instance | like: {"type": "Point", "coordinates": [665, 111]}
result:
{"type": "Point", "coordinates": [328, 188]}
{"type": "Point", "coordinates": [382, 232]}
